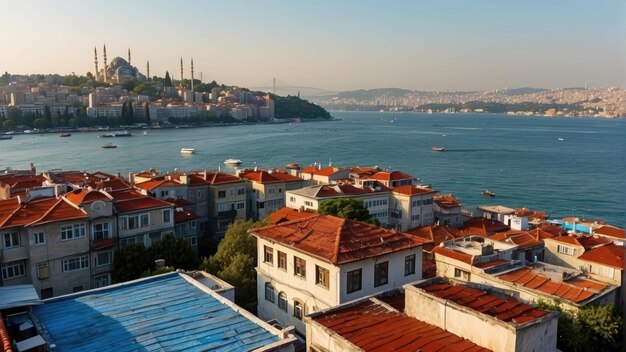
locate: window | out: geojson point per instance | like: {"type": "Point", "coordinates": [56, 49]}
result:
{"type": "Point", "coordinates": [292, 199]}
{"type": "Point", "coordinates": [11, 240]}
{"type": "Point", "coordinates": [299, 267]}
{"type": "Point", "coordinates": [69, 232]}
{"type": "Point", "coordinates": [241, 205]}
{"type": "Point", "coordinates": [165, 193]}
{"type": "Point", "coordinates": [193, 241]}
{"type": "Point", "coordinates": [269, 292]}
{"type": "Point", "coordinates": [395, 214]}
{"type": "Point", "coordinates": [282, 260]}
{"type": "Point", "coordinates": [308, 204]}
{"type": "Point", "coordinates": [416, 203]}
{"type": "Point", "coordinates": [465, 275]}
{"type": "Point", "coordinates": [101, 231]}
{"type": "Point", "coordinates": [381, 272]}
{"type": "Point", "coordinates": [354, 281]}
{"type": "Point", "coordinates": [13, 270]}
{"type": "Point", "coordinates": [241, 191]}
{"type": "Point", "coordinates": [297, 309]}
{"type": "Point", "coordinates": [321, 276]}
{"type": "Point", "coordinates": [223, 224]}
{"type": "Point", "coordinates": [606, 271]}
{"type": "Point", "coordinates": [103, 258]}
{"type": "Point", "coordinates": [76, 263]}
{"type": "Point", "coordinates": [566, 250]}
{"type": "Point", "coordinates": [268, 257]}
{"type": "Point", "coordinates": [167, 216]}
{"type": "Point", "coordinates": [221, 194]}
{"type": "Point", "coordinates": [409, 265]}
{"type": "Point", "coordinates": [77, 288]}
{"type": "Point", "coordinates": [39, 238]}
{"type": "Point", "coordinates": [101, 281]}
{"type": "Point", "coordinates": [132, 222]}
{"type": "Point", "coordinates": [198, 194]}
{"type": "Point", "coordinates": [271, 190]}
{"type": "Point", "coordinates": [282, 301]}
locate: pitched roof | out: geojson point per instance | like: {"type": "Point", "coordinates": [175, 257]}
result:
{"type": "Point", "coordinates": [81, 195]}
{"type": "Point", "coordinates": [262, 176]}
{"type": "Point", "coordinates": [531, 214]}
{"type": "Point", "coordinates": [577, 291]}
{"type": "Point", "coordinates": [523, 239]}
{"type": "Point", "coordinates": [391, 176]}
{"type": "Point", "coordinates": [130, 200]}
{"type": "Point", "coordinates": [184, 216]}
{"type": "Point", "coordinates": [338, 240]}
{"type": "Point", "coordinates": [165, 312]}
{"type": "Point", "coordinates": [372, 327]}
{"type": "Point", "coordinates": [611, 231]}
{"type": "Point", "coordinates": [508, 310]}
{"type": "Point", "coordinates": [37, 211]}
{"type": "Point", "coordinates": [327, 171]}
{"type": "Point", "coordinates": [412, 190]}
{"type": "Point", "coordinates": [610, 255]}
{"type": "Point", "coordinates": [287, 214]}
{"type": "Point", "coordinates": [479, 226]}
{"type": "Point", "coordinates": [218, 178]}
{"type": "Point", "coordinates": [451, 253]}
{"type": "Point", "coordinates": [436, 234]}
{"type": "Point", "coordinates": [587, 242]}
{"type": "Point", "coordinates": [553, 229]}
{"type": "Point", "coordinates": [179, 202]}
{"type": "Point", "coordinates": [447, 201]}
{"type": "Point", "coordinates": [161, 181]}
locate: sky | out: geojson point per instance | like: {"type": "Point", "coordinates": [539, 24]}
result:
{"type": "Point", "coordinates": [333, 45]}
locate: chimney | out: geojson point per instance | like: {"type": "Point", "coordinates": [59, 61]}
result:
{"type": "Point", "coordinates": [131, 178]}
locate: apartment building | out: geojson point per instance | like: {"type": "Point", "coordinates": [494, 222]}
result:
{"type": "Point", "coordinates": [411, 207]}
{"type": "Point", "coordinates": [267, 190]}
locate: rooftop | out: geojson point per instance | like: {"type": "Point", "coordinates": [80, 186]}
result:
{"type": "Point", "coordinates": [372, 327]}
{"type": "Point", "coordinates": [287, 214]}
{"type": "Point", "coordinates": [338, 240]}
{"type": "Point", "coordinates": [498, 209]}
{"type": "Point", "coordinates": [611, 231]}
{"type": "Point", "coordinates": [587, 242]}
{"type": "Point", "coordinates": [609, 255]}
{"type": "Point", "coordinates": [484, 227]}
{"type": "Point", "coordinates": [262, 176]}
{"type": "Point", "coordinates": [165, 312]}
{"type": "Point", "coordinates": [436, 234]}
{"type": "Point", "coordinates": [37, 211]}
{"type": "Point", "coordinates": [412, 190]}
{"type": "Point", "coordinates": [523, 239]}
{"type": "Point", "coordinates": [447, 201]}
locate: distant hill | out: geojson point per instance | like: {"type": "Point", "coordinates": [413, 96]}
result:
{"type": "Point", "coordinates": [523, 90]}
{"type": "Point", "coordinates": [305, 92]}
{"type": "Point", "coordinates": [373, 93]}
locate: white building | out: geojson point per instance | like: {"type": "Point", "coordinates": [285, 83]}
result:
{"type": "Point", "coordinates": [318, 262]}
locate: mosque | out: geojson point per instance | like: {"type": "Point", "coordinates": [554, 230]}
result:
{"type": "Point", "coordinates": [118, 70]}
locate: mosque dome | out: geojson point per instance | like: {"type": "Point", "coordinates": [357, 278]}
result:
{"type": "Point", "coordinates": [118, 62]}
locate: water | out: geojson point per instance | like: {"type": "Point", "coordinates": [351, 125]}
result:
{"type": "Point", "coordinates": [519, 158]}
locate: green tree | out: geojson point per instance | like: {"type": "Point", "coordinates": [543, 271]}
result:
{"type": "Point", "coordinates": [235, 261]}
{"type": "Point", "coordinates": [131, 114]}
{"type": "Point", "coordinates": [146, 113]}
{"type": "Point", "coordinates": [176, 252]}
{"type": "Point", "coordinates": [131, 261]}
{"type": "Point", "coordinates": [168, 80]}
{"type": "Point", "coordinates": [347, 208]}
{"type": "Point", "coordinates": [47, 114]}
{"type": "Point", "coordinates": [8, 124]}
{"type": "Point", "coordinates": [40, 123]}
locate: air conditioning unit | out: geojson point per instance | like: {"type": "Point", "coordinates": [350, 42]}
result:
{"type": "Point", "coordinates": [43, 272]}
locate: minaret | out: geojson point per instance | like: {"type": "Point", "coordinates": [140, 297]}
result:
{"type": "Point", "coordinates": [148, 69]}
{"type": "Point", "coordinates": [105, 64]}
{"type": "Point", "coordinates": [181, 72]}
{"type": "Point", "coordinates": [129, 56]}
{"type": "Point", "coordinates": [95, 61]}
{"type": "Point", "coordinates": [192, 76]}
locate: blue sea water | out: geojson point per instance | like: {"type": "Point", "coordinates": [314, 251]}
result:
{"type": "Point", "coordinates": [521, 159]}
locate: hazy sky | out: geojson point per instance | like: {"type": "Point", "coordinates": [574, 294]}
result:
{"type": "Point", "coordinates": [336, 45]}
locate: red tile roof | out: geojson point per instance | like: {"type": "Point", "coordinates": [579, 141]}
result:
{"type": "Point", "coordinates": [483, 227]}
{"type": "Point", "coordinates": [179, 202]}
{"type": "Point", "coordinates": [523, 239]}
{"type": "Point", "coordinates": [436, 234]}
{"type": "Point", "coordinates": [184, 216]}
{"type": "Point", "coordinates": [587, 242]}
{"type": "Point", "coordinates": [158, 182]}
{"type": "Point", "coordinates": [80, 196]}
{"type": "Point", "coordinates": [610, 255]}
{"type": "Point", "coordinates": [5, 339]}
{"type": "Point", "coordinates": [573, 292]}
{"type": "Point", "coordinates": [328, 171]}
{"type": "Point", "coordinates": [38, 211]}
{"type": "Point", "coordinates": [372, 327]}
{"type": "Point", "coordinates": [508, 310]}
{"type": "Point", "coordinates": [17, 182]}
{"type": "Point", "coordinates": [391, 176]}
{"type": "Point", "coordinates": [309, 169]}
{"type": "Point", "coordinates": [531, 214]}
{"type": "Point", "coordinates": [412, 190]}
{"type": "Point", "coordinates": [397, 300]}
{"type": "Point", "coordinates": [287, 214]}
{"type": "Point", "coordinates": [447, 201]}
{"type": "Point", "coordinates": [130, 200]}
{"type": "Point", "coordinates": [262, 176]}
{"type": "Point", "coordinates": [451, 253]}
{"type": "Point", "coordinates": [553, 229]}
{"type": "Point", "coordinates": [338, 240]}
{"type": "Point", "coordinates": [611, 231]}
{"type": "Point", "coordinates": [218, 178]}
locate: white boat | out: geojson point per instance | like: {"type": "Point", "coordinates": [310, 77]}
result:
{"type": "Point", "coordinates": [561, 139]}
{"type": "Point", "coordinates": [438, 149]}
{"type": "Point", "coordinates": [187, 151]}
{"type": "Point", "coordinates": [233, 162]}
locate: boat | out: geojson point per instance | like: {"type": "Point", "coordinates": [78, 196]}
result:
{"type": "Point", "coordinates": [187, 151]}
{"type": "Point", "coordinates": [145, 133]}
{"type": "Point", "coordinates": [122, 134]}
{"type": "Point", "coordinates": [109, 146]}
{"type": "Point", "coordinates": [438, 149]}
{"type": "Point", "coordinates": [107, 135]}
{"type": "Point", "coordinates": [488, 193]}
{"type": "Point", "coordinates": [65, 134]}
{"type": "Point", "coordinates": [561, 139]}
{"type": "Point", "coordinates": [5, 137]}
{"type": "Point", "coordinates": [232, 162]}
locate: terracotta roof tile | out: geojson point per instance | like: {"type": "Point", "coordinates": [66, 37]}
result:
{"type": "Point", "coordinates": [391, 176]}
{"type": "Point", "coordinates": [436, 234]}
{"type": "Point", "coordinates": [338, 240]}
{"type": "Point", "coordinates": [5, 339]}
{"type": "Point", "coordinates": [573, 290]}
{"type": "Point", "coordinates": [587, 242]}
{"type": "Point", "coordinates": [287, 214]}
{"type": "Point", "coordinates": [412, 190]}
{"type": "Point", "coordinates": [218, 178]}
{"type": "Point", "coordinates": [553, 229]}
{"type": "Point", "coordinates": [611, 231]}
{"type": "Point", "coordinates": [184, 216]}
{"type": "Point", "coordinates": [38, 211]}
{"type": "Point", "coordinates": [179, 202]}
{"type": "Point", "coordinates": [262, 176]}
{"type": "Point", "coordinates": [158, 182]}
{"type": "Point", "coordinates": [372, 327]}
{"type": "Point", "coordinates": [328, 171]}
{"type": "Point", "coordinates": [609, 255]}
{"type": "Point", "coordinates": [80, 196]}
{"type": "Point", "coordinates": [130, 200]}
{"type": "Point", "coordinates": [447, 201]}
{"type": "Point", "coordinates": [450, 253]}
{"type": "Point", "coordinates": [483, 227]}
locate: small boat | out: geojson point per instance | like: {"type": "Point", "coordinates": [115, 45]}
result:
{"type": "Point", "coordinates": [438, 149]}
{"type": "Point", "coordinates": [561, 139]}
{"type": "Point", "coordinates": [109, 146]}
{"type": "Point", "coordinates": [5, 137]}
{"type": "Point", "coordinates": [187, 151]}
{"type": "Point", "coordinates": [122, 134]}
{"type": "Point", "coordinates": [65, 134]}
{"type": "Point", "coordinates": [145, 133]}
{"type": "Point", "coordinates": [107, 135]}
{"type": "Point", "coordinates": [488, 193]}
{"type": "Point", "coordinates": [232, 162]}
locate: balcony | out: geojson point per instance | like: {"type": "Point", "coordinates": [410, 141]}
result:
{"type": "Point", "coordinates": [103, 244]}
{"type": "Point", "coordinates": [227, 214]}
{"type": "Point", "coordinates": [13, 254]}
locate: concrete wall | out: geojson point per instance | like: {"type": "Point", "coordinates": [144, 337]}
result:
{"type": "Point", "coordinates": [552, 256]}
{"type": "Point", "coordinates": [320, 338]}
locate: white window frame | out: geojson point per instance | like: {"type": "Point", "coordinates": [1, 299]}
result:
{"type": "Point", "coordinates": [39, 238]}
{"type": "Point", "coordinates": [12, 238]}
{"type": "Point", "coordinates": [97, 256]}
{"type": "Point", "coordinates": [606, 271]}
{"type": "Point", "coordinates": [193, 241]}
{"type": "Point", "coordinates": [75, 263]}
{"type": "Point", "coordinates": [566, 250]}
{"type": "Point", "coordinates": [166, 213]}
{"type": "Point", "coordinates": [102, 283]}
{"type": "Point", "coordinates": [72, 232]}
{"type": "Point", "coordinates": [105, 230]}
{"type": "Point", "coordinates": [270, 293]}
{"type": "Point", "coordinates": [16, 269]}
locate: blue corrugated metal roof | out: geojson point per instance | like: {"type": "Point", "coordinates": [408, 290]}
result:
{"type": "Point", "coordinates": [165, 313]}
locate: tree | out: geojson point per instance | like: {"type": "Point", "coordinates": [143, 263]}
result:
{"type": "Point", "coordinates": [40, 123]}
{"type": "Point", "coordinates": [347, 208]}
{"type": "Point", "coordinates": [146, 113]}
{"type": "Point", "coordinates": [176, 252]}
{"type": "Point", "coordinates": [131, 261]}
{"type": "Point", "coordinates": [131, 114]}
{"type": "Point", "coordinates": [168, 80]}
{"type": "Point", "coordinates": [235, 261]}
{"type": "Point", "coordinates": [47, 114]}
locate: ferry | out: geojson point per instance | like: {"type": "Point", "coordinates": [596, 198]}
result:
{"type": "Point", "coordinates": [488, 193]}
{"type": "Point", "coordinates": [438, 149]}
{"type": "Point", "coordinates": [187, 151]}
{"type": "Point", "coordinates": [109, 146]}
{"type": "Point", "coordinates": [232, 162]}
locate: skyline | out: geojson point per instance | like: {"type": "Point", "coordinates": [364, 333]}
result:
{"type": "Point", "coordinates": [345, 46]}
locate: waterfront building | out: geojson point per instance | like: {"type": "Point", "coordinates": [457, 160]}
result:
{"type": "Point", "coordinates": [410, 206]}
{"type": "Point", "coordinates": [323, 176]}
{"type": "Point", "coordinates": [447, 210]}
{"type": "Point", "coordinates": [267, 190]}
{"type": "Point", "coordinates": [530, 244]}
{"type": "Point", "coordinates": [320, 261]}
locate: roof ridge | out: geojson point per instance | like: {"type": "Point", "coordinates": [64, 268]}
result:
{"type": "Point", "coordinates": [19, 206]}
{"type": "Point", "coordinates": [338, 240]}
